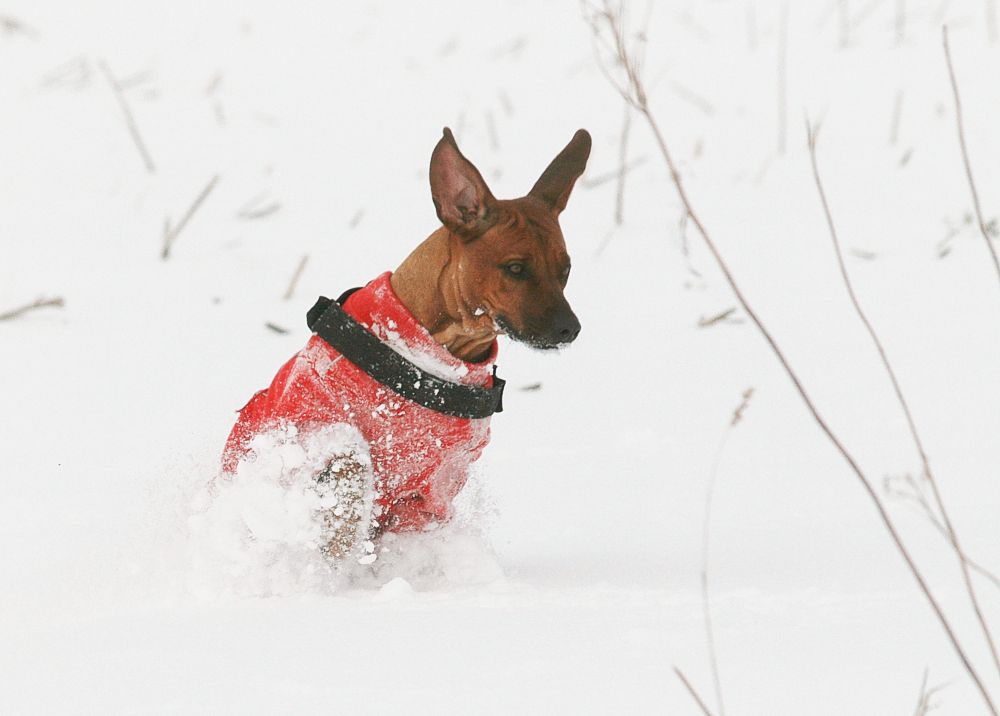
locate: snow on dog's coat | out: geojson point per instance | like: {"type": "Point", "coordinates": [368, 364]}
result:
{"type": "Point", "coordinates": [420, 457]}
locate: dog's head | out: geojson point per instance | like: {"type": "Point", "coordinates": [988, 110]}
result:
{"type": "Point", "coordinates": [512, 262]}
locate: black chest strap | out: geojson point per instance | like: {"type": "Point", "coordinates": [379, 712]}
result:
{"type": "Point", "coordinates": [329, 321]}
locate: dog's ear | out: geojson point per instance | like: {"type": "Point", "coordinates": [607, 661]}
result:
{"type": "Point", "coordinates": [556, 182]}
{"type": "Point", "coordinates": [463, 201]}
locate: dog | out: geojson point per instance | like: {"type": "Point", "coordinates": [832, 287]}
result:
{"type": "Point", "coordinates": [403, 368]}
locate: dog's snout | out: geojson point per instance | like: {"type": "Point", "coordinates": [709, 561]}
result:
{"type": "Point", "coordinates": [568, 329]}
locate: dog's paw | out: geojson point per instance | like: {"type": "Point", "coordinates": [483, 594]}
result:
{"type": "Point", "coordinates": [347, 488]}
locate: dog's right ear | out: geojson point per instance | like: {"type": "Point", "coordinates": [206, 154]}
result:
{"type": "Point", "coordinates": [463, 201]}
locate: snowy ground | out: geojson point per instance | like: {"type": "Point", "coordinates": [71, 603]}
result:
{"type": "Point", "coordinates": [571, 583]}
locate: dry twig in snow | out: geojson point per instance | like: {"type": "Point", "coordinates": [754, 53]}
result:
{"type": "Point", "coordinates": [258, 208]}
{"type": "Point", "coordinates": [37, 303]}
{"type": "Point", "coordinates": [904, 405]}
{"type": "Point", "coordinates": [604, 177]}
{"type": "Point", "coordinates": [133, 128]}
{"type": "Point", "coordinates": [897, 114]}
{"type": "Point", "coordinates": [720, 317]}
{"type": "Point", "coordinates": [924, 705]}
{"type": "Point", "coordinates": [622, 166]}
{"type": "Point", "coordinates": [915, 494]}
{"type": "Point", "coordinates": [633, 89]}
{"type": "Point", "coordinates": [694, 694]}
{"type": "Point", "coordinates": [170, 234]}
{"type": "Point", "coordinates": [735, 420]}
{"type": "Point", "coordinates": [295, 276]}
{"type": "Point", "coordinates": [965, 154]}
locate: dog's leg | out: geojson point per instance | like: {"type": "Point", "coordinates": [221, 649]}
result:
{"type": "Point", "coordinates": [347, 483]}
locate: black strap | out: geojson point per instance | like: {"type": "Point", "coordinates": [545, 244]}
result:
{"type": "Point", "coordinates": [329, 321]}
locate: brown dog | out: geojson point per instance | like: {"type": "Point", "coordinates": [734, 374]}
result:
{"type": "Point", "coordinates": [392, 430]}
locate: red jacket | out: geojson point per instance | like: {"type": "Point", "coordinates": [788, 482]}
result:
{"type": "Point", "coordinates": [420, 457]}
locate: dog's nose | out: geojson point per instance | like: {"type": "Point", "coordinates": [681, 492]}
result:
{"type": "Point", "coordinates": [568, 329]}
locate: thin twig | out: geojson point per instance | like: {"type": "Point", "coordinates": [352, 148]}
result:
{"type": "Point", "coordinates": [622, 165]}
{"type": "Point", "coordinates": [915, 495]}
{"type": "Point", "coordinates": [897, 114]}
{"type": "Point", "coordinates": [603, 178]}
{"type": "Point", "coordinates": [706, 524]}
{"type": "Point", "coordinates": [922, 701]}
{"type": "Point", "coordinates": [258, 208]}
{"type": "Point", "coordinates": [56, 302]}
{"type": "Point", "coordinates": [918, 443]}
{"type": "Point", "coordinates": [133, 128]}
{"type": "Point", "coordinates": [689, 95]}
{"type": "Point", "coordinates": [924, 705]}
{"type": "Point", "coordinates": [170, 234]}
{"type": "Point", "coordinates": [965, 153]}
{"type": "Point", "coordinates": [295, 276]}
{"type": "Point", "coordinates": [635, 91]}
{"type": "Point", "coordinates": [690, 690]}
{"type": "Point", "coordinates": [491, 131]}
{"type": "Point", "coordinates": [704, 322]}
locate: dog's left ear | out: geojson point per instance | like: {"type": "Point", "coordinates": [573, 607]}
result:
{"type": "Point", "coordinates": [556, 182]}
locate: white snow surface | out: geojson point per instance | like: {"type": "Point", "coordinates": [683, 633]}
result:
{"type": "Point", "coordinates": [570, 580]}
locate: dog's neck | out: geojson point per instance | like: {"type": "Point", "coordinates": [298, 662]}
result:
{"type": "Point", "coordinates": [428, 282]}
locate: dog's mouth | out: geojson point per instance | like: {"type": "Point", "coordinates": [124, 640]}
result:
{"type": "Point", "coordinates": [541, 343]}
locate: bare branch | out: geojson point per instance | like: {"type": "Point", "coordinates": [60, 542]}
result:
{"type": "Point", "coordinates": [622, 166]}
{"type": "Point", "coordinates": [170, 235]}
{"type": "Point", "coordinates": [965, 154]}
{"type": "Point", "coordinates": [603, 178]}
{"type": "Point", "coordinates": [638, 93]}
{"type": "Point", "coordinates": [897, 113]}
{"type": "Point", "coordinates": [133, 128]}
{"type": "Point", "coordinates": [295, 276]}
{"type": "Point", "coordinates": [258, 208]}
{"type": "Point", "coordinates": [706, 525]}
{"type": "Point", "coordinates": [903, 404]}
{"type": "Point", "coordinates": [56, 302]}
{"type": "Point", "coordinates": [692, 97]}
{"type": "Point", "coordinates": [924, 705]}
{"type": "Point", "coordinates": [491, 131]}
{"type": "Point", "coordinates": [694, 694]}
{"type": "Point", "coordinates": [916, 497]}
{"type": "Point", "coordinates": [720, 317]}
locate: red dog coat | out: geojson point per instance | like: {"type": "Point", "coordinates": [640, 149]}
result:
{"type": "Point", "coordinates": [420, 457]}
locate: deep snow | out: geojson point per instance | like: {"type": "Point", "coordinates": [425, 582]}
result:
{"type": "Point", "coordinates": [570, 581]}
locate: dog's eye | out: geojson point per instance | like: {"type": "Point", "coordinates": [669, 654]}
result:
{"type": "Point", "coordinates": [516, 269]}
